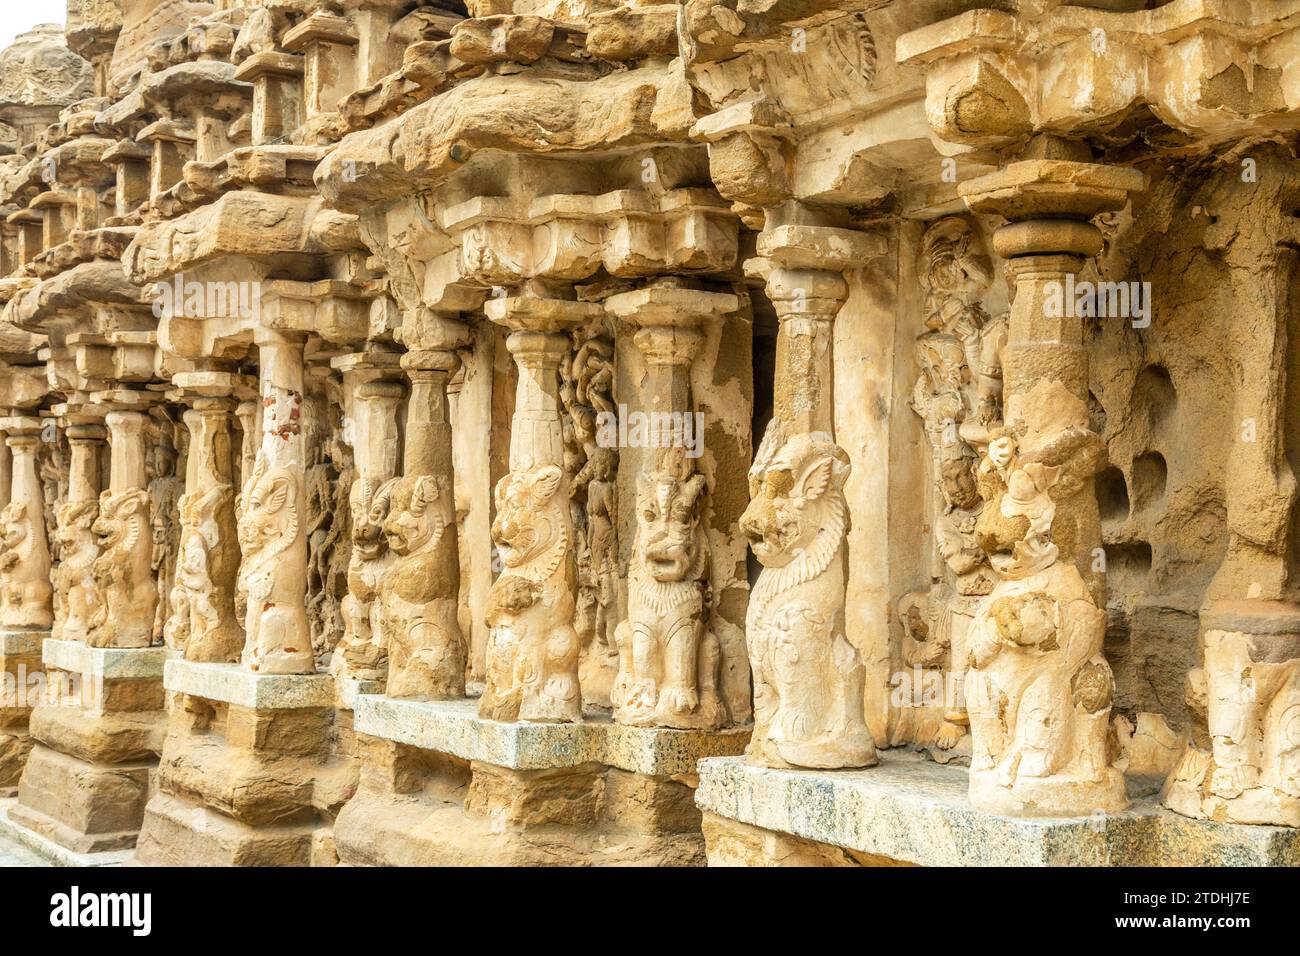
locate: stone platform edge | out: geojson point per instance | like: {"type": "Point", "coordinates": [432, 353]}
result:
{"type": "Point", "coordinates": [454, 727]}
{"type": "Point", "coordinates": [232, 684]}
{"type": "Point", "coordinates": [912, 810]}
{"type": "Point", "coordinates": [119, 663]}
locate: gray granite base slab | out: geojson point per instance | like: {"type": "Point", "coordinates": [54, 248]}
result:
{"type": "Point", "coordinates": [454, 727]}
{"type": "Point", "coordinates": [108, 662]}
{"type": "Point", "coordinates": [915, 811]}
{"type": "Point", "coordinates": [349, 689]}
{"type": "Point", "coordinates": [232, 684]}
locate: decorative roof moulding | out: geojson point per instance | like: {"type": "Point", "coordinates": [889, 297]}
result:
{"type": "Point", "coordinates": [1214, 70]}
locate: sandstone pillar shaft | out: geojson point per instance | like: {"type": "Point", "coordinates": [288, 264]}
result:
{"type": "Point", "coordinates": [272, 534]}
{"type": "Point", "coordinates": [532, 655]}
{"type": "Point", "coordinates": [419, 594]}
{"type": "Point", "coordinates": [670, 656]}
{"type": "Point", "coordinates": [123, 569]}
{"type": "Point", "coordinates": [809, 682]}
{"type": "Point", "coordinates": [77, 599]}
{"type": "Point", "coordinates": [1038, 690]}
{"type": "Point", "coordinates": [26, 601]}
{"type": "Point", "coordinates": [373, 433]}
{"type": "Point", "coordinates": [203, 624]}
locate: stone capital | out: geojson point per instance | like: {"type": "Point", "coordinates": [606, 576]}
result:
{"type": "Point", "coordinates": [529, 314]}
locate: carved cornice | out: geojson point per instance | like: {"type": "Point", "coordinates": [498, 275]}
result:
{"type": "Point", "coordinates": [1214, 70]}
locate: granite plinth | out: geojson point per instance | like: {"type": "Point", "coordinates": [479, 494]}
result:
{"type": "Point", "coordinates": [232, 684]}
{"type": "Point", "coordinates": [454, 727]}
{"type": "Point", "coordinates": [115, 663]}
{"type": "Point", "coordinates": [910, 810]}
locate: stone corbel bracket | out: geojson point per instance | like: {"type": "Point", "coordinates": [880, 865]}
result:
{"type": "Point", "coordinates": [279, 168]}
{"type": "Point", "coordinates": [1214, 70]}
{"type": "Point", "coordinates": [22, 386]}
{"type": "Point", "coordinates": [239, 224]}
{"type": "Point", "coordinates": [711, 30]}
{"type": "Point", "coordinates": [335, 311]}
{"type": "Point", "coordinates": [504, 241]}
{"type": "Point", "coordinates": [60, 301]}
{"type": "Point", "coordinates": [510, 113]}
{"type": "Point", "coordinates": [824, 248]}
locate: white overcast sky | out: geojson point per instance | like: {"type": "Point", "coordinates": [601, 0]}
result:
{"type": "Point", "coordinates": [19, 16]}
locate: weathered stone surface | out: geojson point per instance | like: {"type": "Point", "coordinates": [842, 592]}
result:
{"type": "Point", "coordinates": [138, 663]}
{"type": "Point", "coordinates": [232, 685]}
{"type": "Point", "coordinates": [457, 424]}
{"type": "Point", "coordinates": [910, 810]}
{"type": "Point", "coordinates": [454, 727]}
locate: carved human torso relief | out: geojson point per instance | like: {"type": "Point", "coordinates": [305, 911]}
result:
{"type": "Point", "coordinates": [1038, 690]}
{"type": "Point", "coordinates": [532, 653]}
{"type": "Point", "coordinates": [808, 678]}
{"type": "Point", "coordinates": [328, 543]}
{"type": "Point", "coordinates": [958, 396]}
{"type": "Point", "coordinates": [362, 653]}
{"type": "Point", "coordinates": [164, 525]}
{"type": "Point", "coordinates": [270, 525]}
{"type": "Point", "coordinates": [123, 571]}
{"type": "Point", "coordinates": [418, 591]}
{"type": "Point", "coordinates": [586, 390]}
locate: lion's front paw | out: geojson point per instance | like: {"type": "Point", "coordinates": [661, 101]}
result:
{"type": "Point", "coordinates": [678, 700]}
{"type": "Point", "coordinates": [949, 736]}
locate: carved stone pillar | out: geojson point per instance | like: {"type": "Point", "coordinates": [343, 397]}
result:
{"type": "Point", "coordinates": [273, 574]}
{"type": "Point", "coordinates": [250, 431]}
{"type": "Point", "coordinates": [419, 593]}
{"type": "Point", "coordinates": [78, 548]}
{"type": "Point", "coordinates": [26, 599]}
{"type": "Point", "coordinates": [362, 654]}
{"type": "Point", "coordinates": [808, 678]}
{"type": "Point", "coordinates": [203, 624]}
{"type": "Point", "coordinates": [532, 657]}
{"type": "Point", "coordinates": [122, 570]}
{"type": "Point", "coordinates": [1038, 690]}
{"type": "Point", "coordinates": [677, 659]}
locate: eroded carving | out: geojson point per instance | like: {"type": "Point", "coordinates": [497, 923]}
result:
{"type": "Point", "coordinates": [123, 571]}
{"type": "Point", "coordinates": [532, 655]}
{"type": "Point", "coordinates": [1038, 690]}
{"type": "Point", "coordinates": [417, 597]}
{"type": "Point", "coordinates": [808, 678]}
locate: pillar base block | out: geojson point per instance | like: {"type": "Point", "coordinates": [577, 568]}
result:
{"type": "Point", "coordinates": [253, 766]}
{"type": "Point", "coordinates": [908, 810]}
{"type": "Point", "coordinates": [442, 786]}
{"type": "Point", "coordinates": [20, 657]}
{"type": "Point", "coordinates": [50, 852]}
{"type": "Point", "coordinates": [82, 806]}
{"type": "Point", "coordinates": [90, 772]}
{"type": "Point", "coordinates": [181, 832]}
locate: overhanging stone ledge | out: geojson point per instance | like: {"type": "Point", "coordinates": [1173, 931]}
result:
{"type": "Point", "coordinates": [911, 810]}
{"type": "Point", "coordinates": [231, 684]}
{"type": "Point", "coordinates": [454, 727]}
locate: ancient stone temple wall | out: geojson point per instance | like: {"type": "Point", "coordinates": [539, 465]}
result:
{"type": "Point", "coordinates": [660, 433]}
